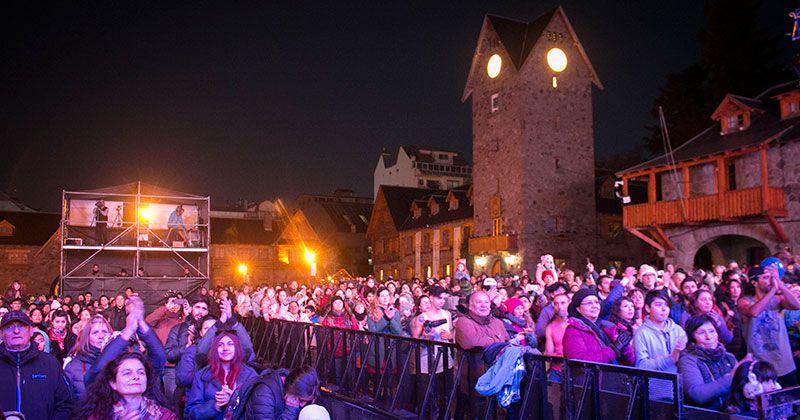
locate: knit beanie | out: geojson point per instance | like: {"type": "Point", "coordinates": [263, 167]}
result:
{"type": "Point", "coordinates": [512, 304]}
{"type": "Point", "coordinates": [550, 273]}
{"type": "Point", "coordinates": [577, 298]}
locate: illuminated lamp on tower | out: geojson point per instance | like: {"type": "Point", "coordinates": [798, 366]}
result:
{"type": "Point", "coordinates": [557, 61]}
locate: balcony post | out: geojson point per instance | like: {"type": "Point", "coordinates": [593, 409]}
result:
{"type": "Point", "coordinates": [686, 185]}
{"type": "Point", "coordinates": [722, 176]}
{"type": "Point", "coordinates": [651, 188]}
{"type": "Point", "coordinates": [764, 176]}
{"type": "Point", "coordinates": [624, 186]}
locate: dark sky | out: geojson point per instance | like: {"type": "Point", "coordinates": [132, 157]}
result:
{"type": "Point", "coordinates": [273, 99]}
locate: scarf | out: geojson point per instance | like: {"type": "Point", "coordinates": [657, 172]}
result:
{"type": "Point", "coordinates": [621, 322]}
{"type": "Point", "coordinates": [360, 316]}
{"type": "Point", "coordinates": [480, 320]}
{"type": "Point", "coordinates": [520, 322]}
{"type": "Point", "coordinates": [717, 365]}
{"type": "Point", "coordinates": [57, 337]}
{"type": "Point", "coordinates": [601, 333]}
{"type": "Point", "coordinates": [149, 410]}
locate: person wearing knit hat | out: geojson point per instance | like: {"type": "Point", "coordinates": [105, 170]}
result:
{"type": "Point", "coordinates": [314, 412]}
{"type": "Point", "coordinates": [516, 321]}
{"type": "Point", "coordinates": [591, 339]}
{"type": "Point", "coordinates": [647, 277]}
{"type": "Point", "coordinates": [552, 277]}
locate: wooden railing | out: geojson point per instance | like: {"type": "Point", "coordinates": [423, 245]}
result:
{"type": "Point", "coordinates": [491, 244]}
{"type": "Point", "coordinates": [724, 206]}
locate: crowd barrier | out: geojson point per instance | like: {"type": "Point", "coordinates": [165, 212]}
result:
{"type": "Point", "coordinates": [402, 377]}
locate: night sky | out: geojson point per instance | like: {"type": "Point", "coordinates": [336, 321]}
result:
{"type": "Point", "coordinates": [274, 99]}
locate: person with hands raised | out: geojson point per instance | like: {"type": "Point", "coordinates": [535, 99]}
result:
{"type": "Point", "coordinates": [135, 325]}
{"type": "Point", "coordinates": [226, 321]}
{"type": "Point", "coordinates": [767, 336]}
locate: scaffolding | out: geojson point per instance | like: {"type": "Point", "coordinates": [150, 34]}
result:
{"type": "Point", "coordinates": [137, 241]}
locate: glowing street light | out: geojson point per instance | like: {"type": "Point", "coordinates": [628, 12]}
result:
{"type": "Point", "coordinates": [511, 259]}
{"type": "Point", "coordinates": [494, 65]}
{"type": "Point", "coordinates": [310, 257]}
{"type": "Point", "coordinates": [242, 269]}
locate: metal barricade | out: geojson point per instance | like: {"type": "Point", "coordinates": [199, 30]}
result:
{"type": "Point", "coordinates": [403, 377]}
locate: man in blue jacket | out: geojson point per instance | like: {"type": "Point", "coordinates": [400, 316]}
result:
{"type": "Point", "coordinates": [32, 382]}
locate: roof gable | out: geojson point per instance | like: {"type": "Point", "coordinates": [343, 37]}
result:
{"type": "Point", "coordinates": [518, 39]}
{"type": "Point", "coordinates": [731, 102]}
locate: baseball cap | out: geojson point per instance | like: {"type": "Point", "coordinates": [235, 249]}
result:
{"type": "Point", "coordinates": [17, 316]}
{"type": "Point", "coordinates": [489, 282]}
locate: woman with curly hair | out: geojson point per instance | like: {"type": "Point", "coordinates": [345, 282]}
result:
{"type": "Point", "coordinates": [623, 315]}
{"type": "Point", "coordinates": [127, 388]}
{"type": "Point", "coordinates": [92, 339]}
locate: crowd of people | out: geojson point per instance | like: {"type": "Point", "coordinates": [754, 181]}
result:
{"type": "Point", "coordinates": [731, 333]}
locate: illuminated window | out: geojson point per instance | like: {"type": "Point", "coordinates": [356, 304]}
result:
{"type": "Point", "coordinates": [732, 121]}
{"type": "Point", "coordinates": [447, 269]}
{"type": "Point", "coordinates": [381, 275]}
{"type": "Point", "coordinates": [428, 272]}
{"type": "Point", "coordinates": [495, 102]}
{"type": "Point", "coordinates": [283, 255]}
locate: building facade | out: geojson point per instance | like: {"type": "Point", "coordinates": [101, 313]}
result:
{"type": "Point", "coordinates": [29, 249]}
{"type": "Point", "coordinates": [730, 192]}
{"type": "Point", "coordinates": [418, 232]}
{"type": "Point", "coordinates": [419, 167]}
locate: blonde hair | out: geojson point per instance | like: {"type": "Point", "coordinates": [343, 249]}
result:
{"type": "Point", "coordinates": [82, 343]}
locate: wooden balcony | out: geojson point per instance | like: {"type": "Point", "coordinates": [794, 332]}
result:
{"type": "Point", "coordinates": [717, 207]}
{"type": "Point", "coordinates": [493, 244]}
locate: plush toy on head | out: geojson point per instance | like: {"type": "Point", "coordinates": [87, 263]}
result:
{"type": "Point", "coordinates": [776, 264]}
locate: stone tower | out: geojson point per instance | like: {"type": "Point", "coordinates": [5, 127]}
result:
{"type": "Point", "coordinates": [533, 144]}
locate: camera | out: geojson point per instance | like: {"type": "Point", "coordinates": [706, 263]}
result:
{"type": "Point", "coordinates": [430, 325]}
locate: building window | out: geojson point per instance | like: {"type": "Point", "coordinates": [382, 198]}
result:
{"type": "Point", "coordinates": [497, 227]}
{"type": "Point", "coordinates": [792, 107]}
{"type": "Point", "coordinates": [428, 272]}
{"type": "Point", "coordinates": [731, 168]}
{"type": "Point", "coordinates": [447, 269]}
{"type": "Point", "coordinates": [381, 275]}
{"type": "Point", "coordinates": [434, 185]}
{"type": "Point", "coordinates": [732, 121]}
{"type": "Point", "coordinates": [495, 102]}
{"type": "Point", "coordinates": [452, 184]}
{"type": "Point", "coordinates": [426, 240]}
{"type": "Point", "coordinates": [445, 238]}
{"type": "Point", "coordinates": [421, 182]}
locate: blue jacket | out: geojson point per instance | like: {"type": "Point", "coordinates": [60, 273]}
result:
{"type": "Point", "coordinates": [200, 398]}
{"type": "Point", "coordinates": [204, 344]}
{"type": "Point", "coordinates": [117, 346]}
{"type": "Point", "coordinates": [33, 383]}
{"type": "Point", "coordinates": [503, 378]}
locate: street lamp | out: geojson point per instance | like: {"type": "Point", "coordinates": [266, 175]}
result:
{"type": "Point", "coordinates": [312, 262]}
{"type": "Point", "coordinates": [242, 268]}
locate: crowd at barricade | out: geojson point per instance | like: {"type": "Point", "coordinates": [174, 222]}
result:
{"type": "Point", "coordinates": [731, 333]}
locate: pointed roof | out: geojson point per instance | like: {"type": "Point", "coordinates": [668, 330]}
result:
{"type": "Point", "coordinates": [748, 104]}
{"type": "Point", "coordinates": [518, 39]}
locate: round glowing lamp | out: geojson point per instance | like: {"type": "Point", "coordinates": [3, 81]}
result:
{"type": "Point", "coordinates": [557, 60]}
{"type": "Point", "coordinates": [481, 261]}
{"type": "Point", "coordinates": [494, 66]}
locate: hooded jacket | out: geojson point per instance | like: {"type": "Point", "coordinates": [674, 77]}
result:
{"type": "Point", "coordinates": [653, 346]}
{"type": "Point", "coordinates": [77, 368]}
{"type": "Point", "coordinates": [33, 384]}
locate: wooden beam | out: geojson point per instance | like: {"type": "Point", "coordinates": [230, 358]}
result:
{"type": "Point", "coordinates": [776, 226]}
{"type": "Point", "coordinates": [722, 176]}
{"type": "Point", "coordinates": [664, 238]}
{"type": "Point", "coordinates": [625, 187]}
{"type": "Point", "coordinates": [642, 236]}
{"type": "Point", "coordinates": [764, 176]}
{"type": "Point", "coordinates": [686, 185]}
{"type": "Point", "coordinates": [651, 188]}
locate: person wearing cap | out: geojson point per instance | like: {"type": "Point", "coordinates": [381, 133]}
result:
{"type": "Point", "coordinates": [591, 339]}
{"type": "Point", "coordinates": [767, 337]}
{"type": "Point", "coordinates": [647, 277]}
{"type": "Point", "coordinates": [41, 390]}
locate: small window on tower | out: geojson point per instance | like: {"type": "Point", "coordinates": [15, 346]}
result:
{"type": "Point", "coordinates": [495, 102]}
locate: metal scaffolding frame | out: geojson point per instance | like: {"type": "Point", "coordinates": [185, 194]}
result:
{"type": "Point", "coordinates": [133, 196]}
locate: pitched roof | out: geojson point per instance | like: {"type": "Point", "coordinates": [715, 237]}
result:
{"type": "Point", "coordinates": [342, 215]}
{"type": "Point", "coordinates": [764, 126]}
{"type": "Point", "coordinates": [518, 37]}
{"type": "Point", "coordinates": [399, 199]}
{"type": "Point", "coordinates": [30, 228]}
{"type": "Point", "coordinates": [241, 231]}
{"type": "Point", "coordinates": [8, 203]}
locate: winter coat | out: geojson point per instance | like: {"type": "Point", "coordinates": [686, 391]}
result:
{"type": "Point", "coordinates": [504, 373]}
{"type": "Point", "coordinates": [262, 398]}
{"type": "Point", "coordinates": [200, 398]}
{"type": "Point", "coordinates": [117, 346]}
{"type": "Point", "coordinates": [204, 344]}
{"type": "Point", "coordinates": [473, 337]}
{"type": "Point", "coordinates": [116, 317]}
{"type": "Point", "coordinates": [340, 321]}
{"type": "Point", "coordinates": [76, 370]}
{"type": "Point", "coordinates": [700, 385]}
{"type": "Point", "coordinates": [161, 321]}
{"type": "Point", "coordinates": [176, 340]}
{"type": "Point", "coordinates": [581, 343]}
{"type": "Point", "coordinates": [33, 383]}
{"type": "Point", "coordinates": [383, 326]}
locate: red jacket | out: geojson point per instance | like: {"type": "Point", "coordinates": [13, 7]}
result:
{"type": "Point", "coordinates": [581, 343]}
{"type": "Point", "coordinates": [332, 320]}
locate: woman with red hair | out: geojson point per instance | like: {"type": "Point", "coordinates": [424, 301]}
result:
{"type": "Point", "coordinates": [214, 384]}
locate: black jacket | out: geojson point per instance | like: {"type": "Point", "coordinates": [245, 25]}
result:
{"type": "Point", "coordinates": [262, 398]}
{"type": "Point", "coordinates": [33, 383]}
{"type": "Point", "coordinates": [116, 317]}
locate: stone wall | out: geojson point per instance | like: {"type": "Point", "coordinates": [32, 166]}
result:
{"type": "Point", "coordinates": [536, 152]}
{"type": "Point", "coordinates": [35, 267]}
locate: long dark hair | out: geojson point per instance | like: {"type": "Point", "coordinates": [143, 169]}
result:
{"type": "Point", "coordinates": [302, 382]}
{"type": "Point", "coordinates": [617, 318]}
{"type": "Point", "coordinates": [215, 363]}
{"type": "Point", "coordinates": [98, 402]}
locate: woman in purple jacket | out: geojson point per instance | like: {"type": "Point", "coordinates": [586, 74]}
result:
{"type": "Point", "coordinates": [591, 339]}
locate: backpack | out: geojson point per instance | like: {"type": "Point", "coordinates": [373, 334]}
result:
{"type": "Point", "coordinates": [269, 378]}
